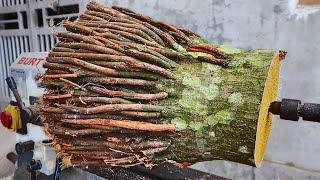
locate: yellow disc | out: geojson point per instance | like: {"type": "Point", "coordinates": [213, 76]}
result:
{"type": "Point", "coordinates": [270, 94]}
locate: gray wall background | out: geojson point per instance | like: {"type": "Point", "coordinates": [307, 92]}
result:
{"type": "Point", "coordinates": [293, 152]}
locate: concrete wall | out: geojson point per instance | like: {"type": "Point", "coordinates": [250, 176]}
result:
{"type": "Point", "coordinates": [293, 152]}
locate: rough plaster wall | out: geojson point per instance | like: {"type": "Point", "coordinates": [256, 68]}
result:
{"type": "Point", "coordinates": [293, 149]}
{"type": "Point", "coordinates": [273, 24]}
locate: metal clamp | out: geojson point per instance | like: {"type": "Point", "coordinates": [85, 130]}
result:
{"type": "Point", "coordinates": [23, 147]}
{"type": "Point", "coordinates": [292, 109]}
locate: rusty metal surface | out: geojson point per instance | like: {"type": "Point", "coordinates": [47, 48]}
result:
{"type": "Point", "coordinates": [291, 109]}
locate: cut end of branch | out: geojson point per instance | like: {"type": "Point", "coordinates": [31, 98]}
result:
{"type": "Point", "coordinates": [282, 54]}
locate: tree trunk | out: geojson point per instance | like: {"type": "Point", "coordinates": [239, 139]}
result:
{"type": "Point", "coordinates": [123, 89]}
{"type": "Point", "coordinates": [223, 108]}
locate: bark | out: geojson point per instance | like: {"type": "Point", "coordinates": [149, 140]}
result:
{"type": "Point", "coordinates": [78, 37]}
{"type": "Point", "coordinates": [90, 47]}
{"type": "Point", "coordinates": [127, 124]}
{"type": "Point", "coordinates": [220, 116]}
{"type": "Point", "coordinates": [131, 62]}
{"type": "Point", "coordinates": [206, 49]}
{"type": "Point", "coordinates": [129, 95]}
{"type": "Point", "coordinates": [112, 108]}
{"type": "Point", "coordinates": [103, 100]}
{"type": "Point", "coordinates": [98, 69]}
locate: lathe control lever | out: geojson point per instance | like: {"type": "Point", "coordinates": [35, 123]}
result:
{"type": "Point", "coordinates": [28, 114]}
{"type": "Point", "coordinates": [13, 87]}
{"type": "Point", "coordinates": [292, 109]}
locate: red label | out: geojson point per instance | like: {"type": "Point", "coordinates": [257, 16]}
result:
{"type": "Point", "coordinates": [30, 61]}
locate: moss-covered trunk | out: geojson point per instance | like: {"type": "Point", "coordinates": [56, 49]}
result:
{"type": "Point", "coordinates": [219, 108]}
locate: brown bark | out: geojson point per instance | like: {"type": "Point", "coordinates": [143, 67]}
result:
{"type": "Point", "coordinates": [131, 95]}
{"type": "Point", "coordinates": [127, 124]}
{"type": "Point", "coordinates": [112, 108]}
{"type": "Point", "coordinates": [90, 47]}
{"type": "Point", "coordinates": [78, 37]}
{"type": "Point", "coordinates": [206, 49]}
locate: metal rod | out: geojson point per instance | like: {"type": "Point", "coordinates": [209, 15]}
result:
{"type": "Point", "coordinates": [292, 109]}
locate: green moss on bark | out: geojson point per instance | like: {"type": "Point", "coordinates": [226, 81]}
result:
{"type": "Point", "coordinates": [219, 107]}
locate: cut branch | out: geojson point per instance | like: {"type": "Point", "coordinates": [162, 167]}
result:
{"type": "Point", "coordinates": [60, 96]}
{"type": "Point", "coordinates": [127, 124]}
{"type": "Point", "coordinates": [112, 108]}
{"type": "Point", "coordinates": [131, 95]}
{"type": "Point", "coordinates": [90, 47]}
{"type": "Point", "coordinates": [206, 49]}
{"type": "Point", "coordinates": [118, 81]}
{"type": "Point", "coordinates": [104, 100]}
{"type": "Point", "coordinates": [78, 37]}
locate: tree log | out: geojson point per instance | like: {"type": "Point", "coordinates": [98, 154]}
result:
{"type": "Point", "coordinates": [225, 111]}
{"type": "Point", "coordinates": [210, 102]}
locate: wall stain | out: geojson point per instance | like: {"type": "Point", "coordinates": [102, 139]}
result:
{"type": "Point", "coordinates": [216, 26]}
{"type": "Point", "coordinates": [221, 39]}
{"type": "Point", "coordinates": [262, 19]}
{"type": "Point", "coordinates": [156, 6]}
{"type": "Point", "coordinates": [218, 2]}
{"type": "Point", "coordinates": [277, 9]}
{"type": "Point", "coordinates": [131, 3]}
